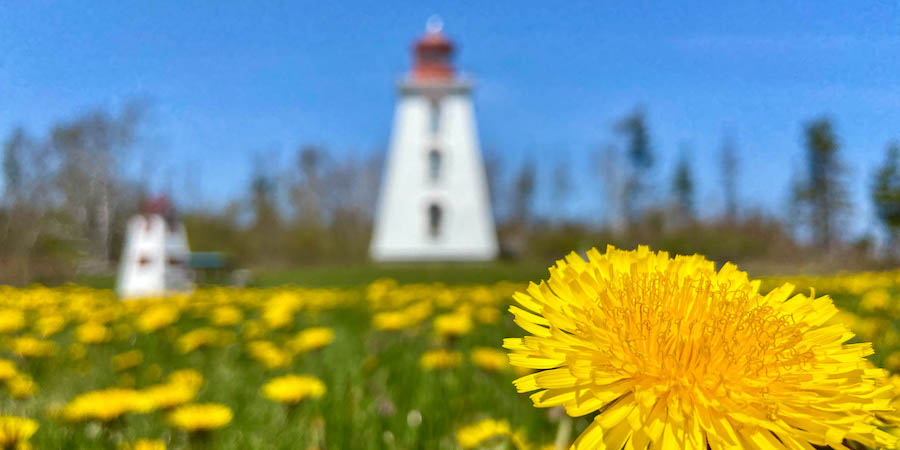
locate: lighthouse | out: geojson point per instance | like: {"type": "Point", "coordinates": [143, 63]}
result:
{"type": "Point", "coordinates": [155, 256]}
{"type": "Point", "coordinates": [434, 203]}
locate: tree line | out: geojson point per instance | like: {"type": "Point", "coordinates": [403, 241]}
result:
{"type": "Point", "coordinates": [67, 196]}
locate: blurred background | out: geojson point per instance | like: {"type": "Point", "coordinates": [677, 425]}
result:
{"type": "Point", "coordinates": [753, 133]}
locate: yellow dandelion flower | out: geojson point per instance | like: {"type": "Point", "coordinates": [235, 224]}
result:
{"type": "Point", "coordinates": [488, 315]}
{"type": "Point", "coordinates": [440, 359]}
{"type": "Point", "coordinates": [144, 444]}
{"type": "Point", "coordinates": [127, 360]}
{"type": "Point", "coordinates": [489, 359]}
{"type": "Point", "coordinates": [226, 316]}
{"type": "Point", "coordinates": [203, 337]}
{"type": "Point", "coordinates": [196, 417]}
{"type": "Point", "coordinates": [391, 321]}
{"type": "Point", "coordinates": [31, 347]}
{"type": "Point", "coordinates": [875, 300]}
{"type": "Point", "coordinates": [672, 354]}
{"type": "Point", "coordinates": [186, 377]}
{"type": "Point", "coordinates": [253, 329]}
{"type": "Point", "coordinates": [268, 354]}
{"type": "Point", "coordinates": [453, 324]}
{"type": "Point", "coordinates": [21, 386]}
{"type": "Point", "coordinates": [105, 405]}
{"type": "Point", "coordinates": [11, 320]}
{"type": "Point", "coordinates": [49, 325]}
{"type": "Point", "coordinates": [7, 369]}
{"type": "Point", "coordinates": [403, 319]}
{"type": "Point", "coordinates": [92, 333]}
{"type": "Point", "coordinates": [311, 339]}
{"type": "Point", "coordinates": [293, 388]}
{"type": "Point", "coordinates": [156, 317]}
{"type": "Point", "coordinates": [15, 432]}
{"type": "Point", "coordinates": [476, 434]}
{"type": "Point", "coordinates": [166, 396]}
{"type": "Point", "coordinates": [870, 328]}
{"type": "Point", "coordinates": [279, 315]}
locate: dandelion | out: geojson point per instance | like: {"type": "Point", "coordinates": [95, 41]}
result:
{"type": "Point", "coordinates": [476, 434]}
{"type": "Point", "coordinates": [105, 405]}
{"type": "Point", "coordinates": [291, 389]}
{"type": "Point", "coordinates": [440, 359]}
{"type": "Point", "coordinates": [92, 333]}
{"type": "Point", "coordinates": [180, 387]}
{"type": "Point", "coordinates": [269, 355]}
{"type": "Point", "coordinates": [169, 395]}
{"type": "Point", "coordinates": [203, 337]}
{"type": "Point", "coordinates": [156, 317]}
{"type": "Point", "coordinates": [489, 359]}
{"type": "Point", "coordinates": [253, 329]}
{"type": "Point", "coordinates": [21, 386]}
{"type": "Point", "coordinates": [225, 316]}
{"type": "Point", "coordinates": [7, 369]}
{"type": "Point", "coordinates": [403, 319]}
{"type": "Point", "coordinates": [11, 320]}
{"type": "Point", "coordinates": [311, 339]}
{"type": "Point", "coordinates": [144, 444]}
{"type": "Point", "coordinates": [49, 325]}
{"type": "Point", "coordinates": [31, 347]}
{"type": "Point", "coordinates": [672, 354]}
{"type": "Point", "coordinates": [127, 360]}
{"type": "Point", "coordinates": [186, 377]}
{"type": "Point", "coordinates": [487, 315]}
{"type": "Point", "coordinates": [200, 417]}
{"type": "Point", "coordinates": [15, 432]}
{"type": "Point", "coordinates": [452, 325]}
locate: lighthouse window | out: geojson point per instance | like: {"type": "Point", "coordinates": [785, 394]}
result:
{"type": "Point", "coordinates": [434, 116]}
{"type": "Point", "coordinates": [434, 165]}
{"type": "Point", "coordinates": [434, 220]}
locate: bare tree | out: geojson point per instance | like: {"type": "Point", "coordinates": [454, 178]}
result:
{"type": "Point", "coordinates": [92, 149]}
{"type": "Point", "coordinates": [610, 168]}
{"type": "Point", "coordinates": [523, 195]}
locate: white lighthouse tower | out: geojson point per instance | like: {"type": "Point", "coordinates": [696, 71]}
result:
{"type": "Point", "coordinates": [434, 202]}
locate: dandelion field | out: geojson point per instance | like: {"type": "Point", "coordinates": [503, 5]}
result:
{"type": "Point", "coordinates": [386, 365]}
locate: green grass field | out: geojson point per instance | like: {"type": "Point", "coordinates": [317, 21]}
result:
{"type": "Point", "coordinates": [378, 394]}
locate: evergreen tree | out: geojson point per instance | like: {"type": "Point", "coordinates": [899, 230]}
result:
{"type": "Point", "coordinates": [886, 193]}
{"type": "Point", "coordinates": [729, 173]}
{"type": "Point", "coordinates": [683, 188]}
{"type": "Point", "coordinates": [640, 157]}
{"type": "Point", "coordinates": [824, 194]}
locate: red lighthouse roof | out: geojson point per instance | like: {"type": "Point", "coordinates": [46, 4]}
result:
{"type": "Point", "coordinates": [433, 53]}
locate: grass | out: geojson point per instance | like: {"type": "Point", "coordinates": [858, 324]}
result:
{"type": "Point", "coordinates": [378, 396]}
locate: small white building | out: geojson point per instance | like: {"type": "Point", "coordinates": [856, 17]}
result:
{"type": "Point", "coordinates": [154, 260]}
{"type": "Point", "coordinates": [434, 202]}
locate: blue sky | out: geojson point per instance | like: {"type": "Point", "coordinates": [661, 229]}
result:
{"type": "Point", "coordinates": [228, 79]}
